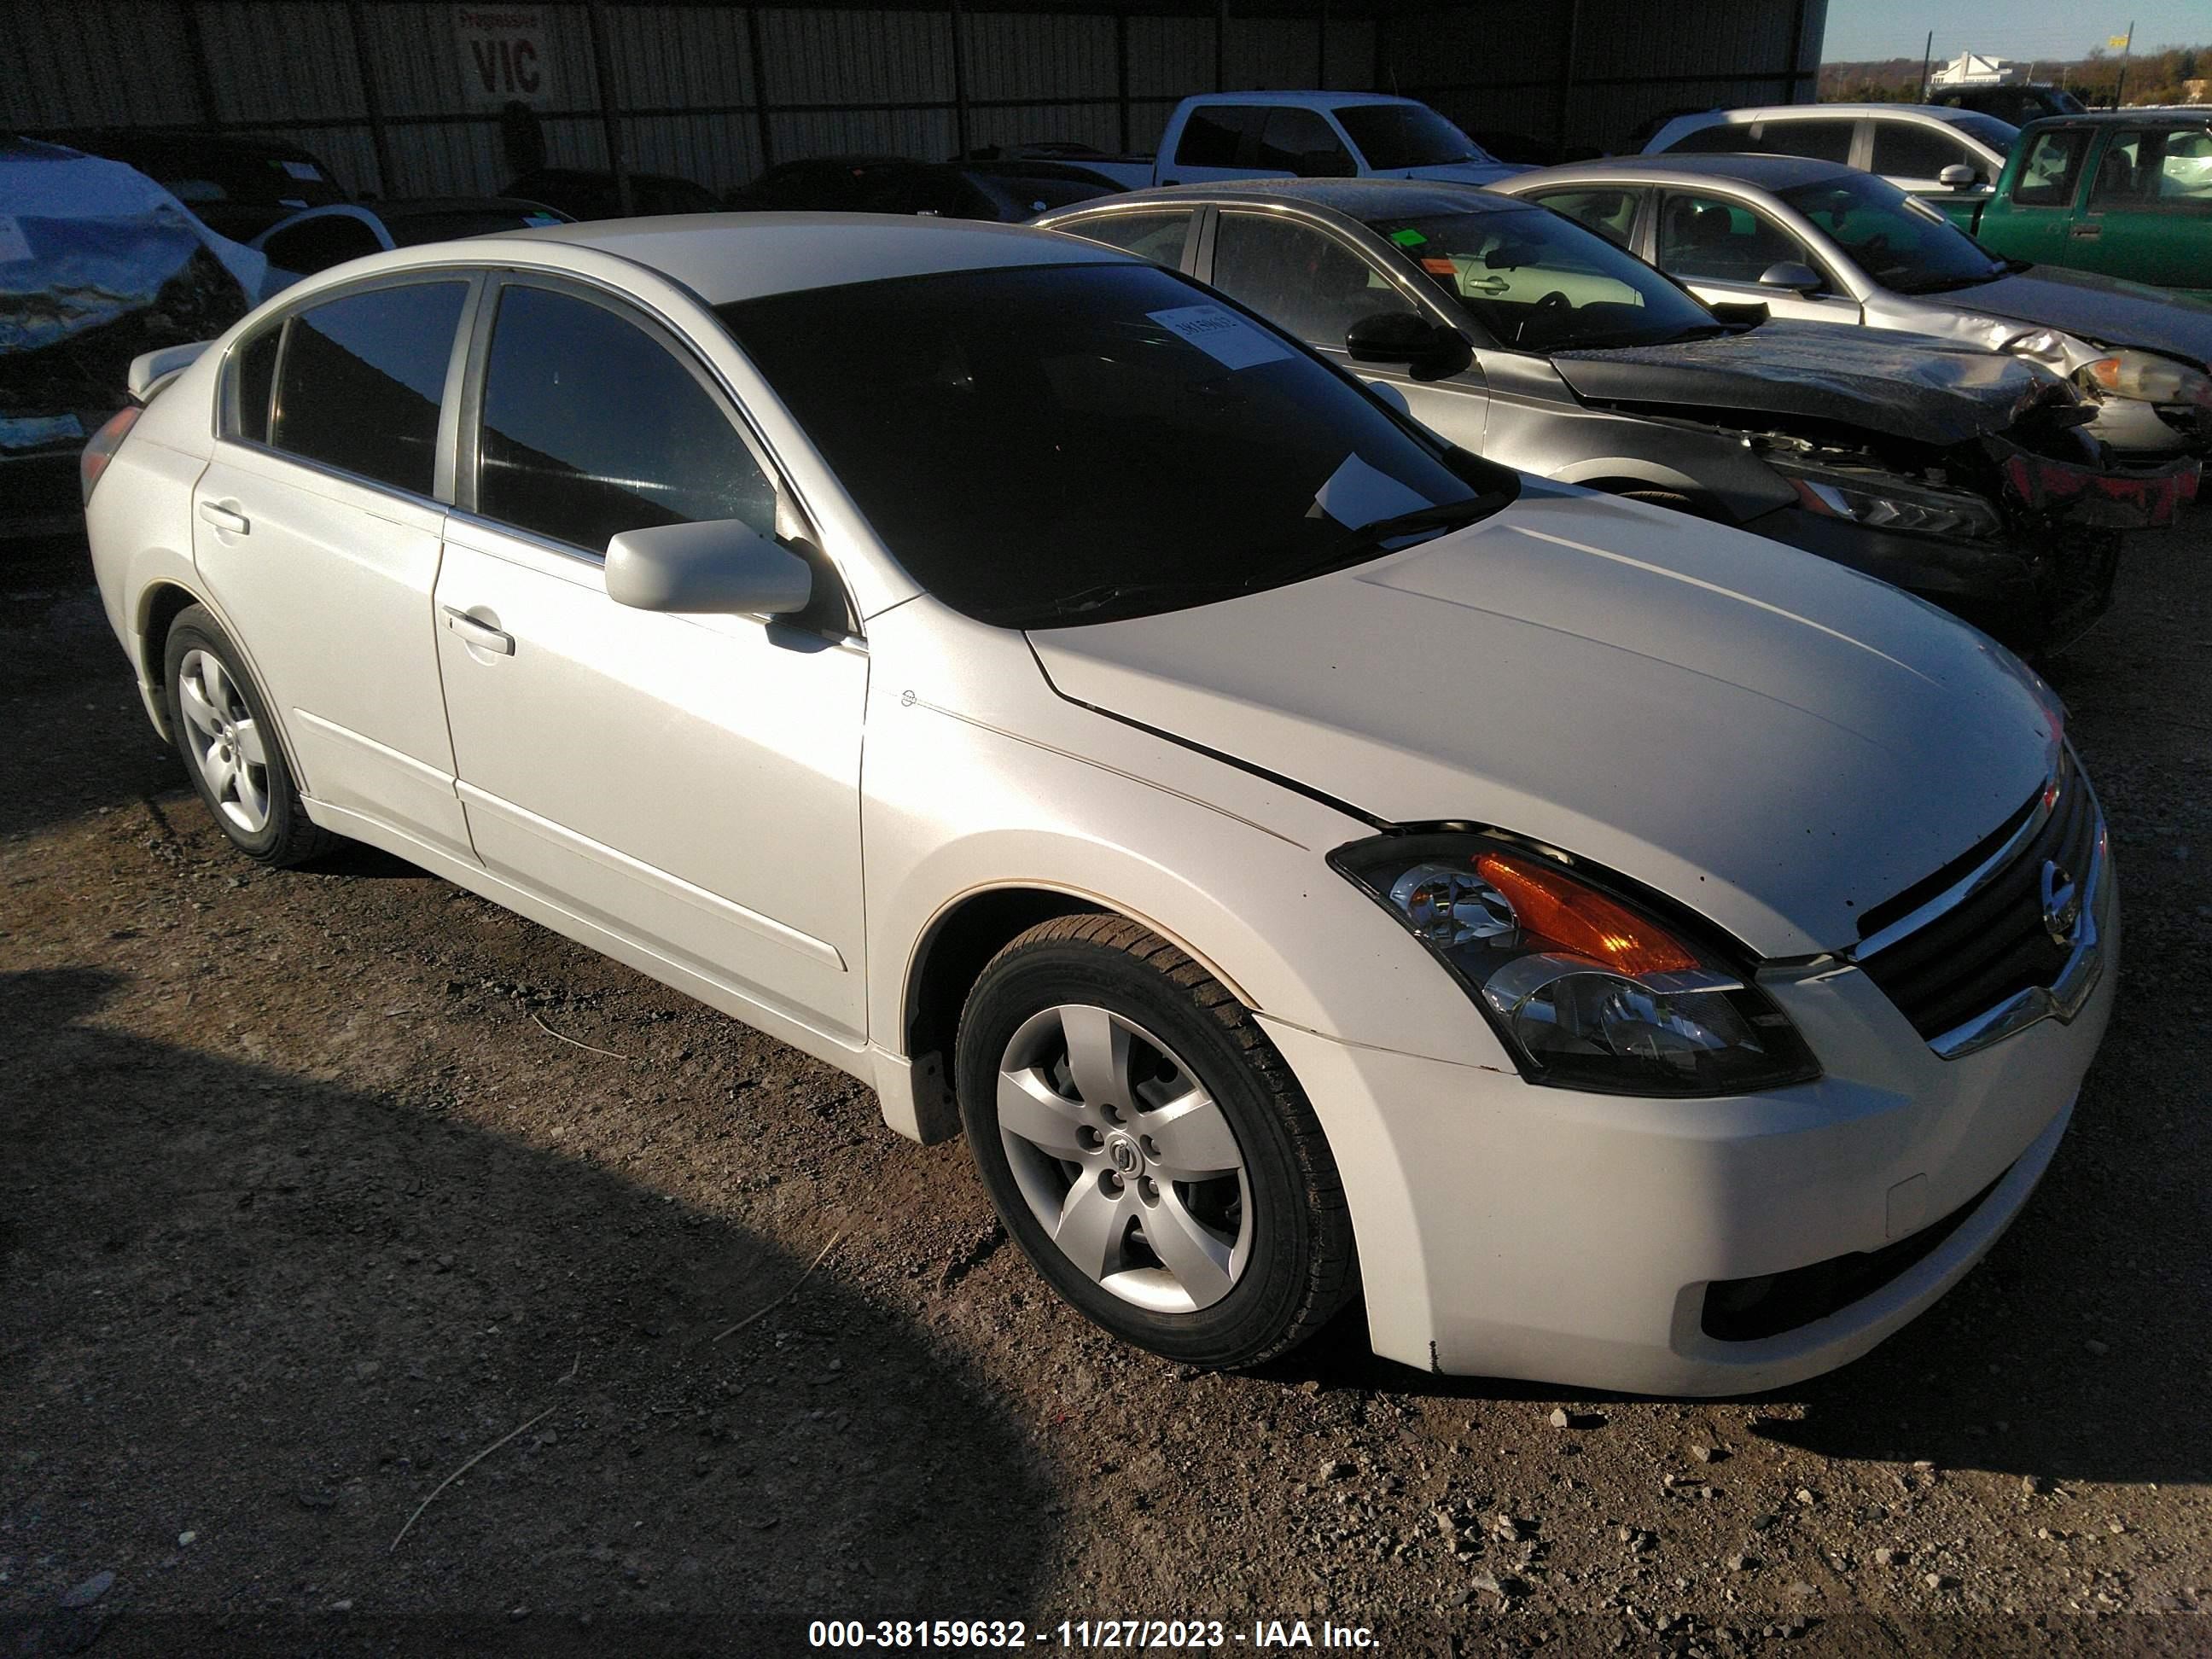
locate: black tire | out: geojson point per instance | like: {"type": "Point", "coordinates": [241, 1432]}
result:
{"type": "Point", "coordinates": [1673, 500]}
{"type": "Point", "coordinates": [1302, 1267]}
{"type": "Point", "coordinates": [288, 836]}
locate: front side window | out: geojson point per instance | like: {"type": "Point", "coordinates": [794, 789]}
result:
{"type": "Point", "coordinates": [1301, 142]}
{"type": "Point", "coordinates": [1052, 444]}
{"type": "Point", "coordinates": [593, 427]}
{"type": "Point", "coordinates": [1538, 282]}
{"type": "Point", "coordinates": [1609, 211]}
{"type": "Point", "coordinates": [1721, 138]}
{"type": "Point", "coordinates": [1159, 237]}
{"type": "Point", "coordinates": [1710, 238]}
{"type": "Point", "coordinates": [1818, 141]}
{"type": "Point", "coordinates": [1905, 150]}
{"type": "Point", "coordinates": [2051, 168]}
{"type": "Point", "coordinates": [1299, 277]}
{"type": "Point", "coordinates": [1213, 135]}
{"type": "Point", "coordinates": [1898, 241]}
{"type": "Point", "coordinates": [361, 380]}
{"type": "Point", "coordinates": [1393, 136]}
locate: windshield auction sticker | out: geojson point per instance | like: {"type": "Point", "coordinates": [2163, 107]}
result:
{"type": "Point", "coordinates": [1221, 335]}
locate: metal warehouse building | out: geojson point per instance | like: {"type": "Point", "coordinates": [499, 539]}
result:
{"type": "Point", "coordinates": [403, 98]}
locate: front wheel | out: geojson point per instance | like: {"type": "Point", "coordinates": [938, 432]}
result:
{"type": "Point", "coordinates": [1147, 1148]}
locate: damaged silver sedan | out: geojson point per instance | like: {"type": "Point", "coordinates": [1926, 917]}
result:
{"type": "Point", "coordinates": [1959, 474]}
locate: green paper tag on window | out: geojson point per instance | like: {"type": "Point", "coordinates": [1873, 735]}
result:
{"type": "Point", "coordinates": [1408, 238]}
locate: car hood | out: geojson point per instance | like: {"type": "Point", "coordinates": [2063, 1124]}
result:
{"type": "Point", "coordinates": [1772, 740]}
{"type": "Point", "coordinates": [1458, 173]}
{"type": "Point", "coordinates": [1907, 386]}
{"type": "Point", "coordinates": [2102, 310]}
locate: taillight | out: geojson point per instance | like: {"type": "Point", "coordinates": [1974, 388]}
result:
{"type": "Point", "coordinates": [100, 449]}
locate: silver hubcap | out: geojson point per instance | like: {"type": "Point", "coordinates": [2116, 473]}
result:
{"type": "Point", "coordinates": [1127, 1163]}
{"type": "Point", "coordinates": [224, 741]}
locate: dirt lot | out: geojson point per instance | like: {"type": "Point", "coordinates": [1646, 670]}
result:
{"type": "Point", "coordinates": [303, 1205]}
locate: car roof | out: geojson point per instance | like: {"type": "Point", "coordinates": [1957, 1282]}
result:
{"type": "Point", "coordinates": [724, 257]}
{"type": "Point", "coordinates": [1672, 167]}
{"type": "Point", "coordinates": [1304, 99]}
{"type": "Point", "coordinates": [1357, 198]}
{"type": "Point", "coordinates": [2168, 115]}
{"type": "Point", "coordinates": [169, 140]}
{"type": "Point", "coordinates": [1941, 112]}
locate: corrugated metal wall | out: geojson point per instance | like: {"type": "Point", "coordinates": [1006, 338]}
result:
{"type": "Point", "coordinates": [688, 90]}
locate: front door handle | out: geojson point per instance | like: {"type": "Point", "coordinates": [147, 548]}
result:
{"type": "Point", "coordinates": [2084, 232]}
{"type": "Point", "coordinates": [482, 635]}
{"type": "Point", "coordinates": [225, 519]}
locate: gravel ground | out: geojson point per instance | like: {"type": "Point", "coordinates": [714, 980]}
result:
{"type": "Point", "coordinates": [305, 1202]}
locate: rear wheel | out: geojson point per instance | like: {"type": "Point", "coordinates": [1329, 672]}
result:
{"type": "Point", "coordinates": [221, 724]}
{"type": "Point", "coordinates": [1147, 1148]}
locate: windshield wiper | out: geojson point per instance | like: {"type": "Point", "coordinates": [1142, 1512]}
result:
{"type": "Point", "coordinates": [1369, 538]}
{"type": "Point", "coordinates": [1102, 594]}
{"type": "Point", "coordinates": [1951, 284]}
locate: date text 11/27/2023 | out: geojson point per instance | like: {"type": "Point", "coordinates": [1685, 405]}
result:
{"type": "Point", "coordinates": [1126, 1634]}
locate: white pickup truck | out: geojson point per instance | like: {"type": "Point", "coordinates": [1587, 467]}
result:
{"type": "Point", "coordinates": [1317, 135]}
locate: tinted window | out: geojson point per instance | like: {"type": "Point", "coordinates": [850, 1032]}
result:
{"type": "Point", "coordinates": [1722, 138]}
{"type": "Point", "coordinates": [591, 427]}
{"type": "Point", "coordinates": [254, 373]}
{"type": "Point", "coordinates": [1298, 140]}
{"type": "Point", "coordinates": [2169, 168]}
{"type": "Point", "coordinates": [1819, 141]}
{"type": "Point", "coordinates": [1159, 237]}
{"type": "Point", "coordinates": [1538, 282]}
{"type": "Point", "coordinates": [1999, 135]}
{"type": "Point", "coordinates": [1392, 135]}
{"type": "Point", "coordinates": [361, 380]}
{"type": "Point", "coordinates": [1301, 279]}
{"type": "Point", "coordinates": [1902, 150]}
{"type": "Point", "coordinates": [1064, 443]}
{"type": "Point", "coordinates": [1712, 240]}
{"type": "Point", "coordinates": [1609, 211]}
{"type": "Point", "coordinates": [1898, 241]}
{"type": "Point", "coordinates": [2051, 168]}
{"type": "Point", "coordinates": [319, 244]}
{"type": "Point", "coordinates": [1214, 134]}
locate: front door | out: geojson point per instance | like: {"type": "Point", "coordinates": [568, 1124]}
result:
{"type": "Point", "coordinates": [1720, 247]}
{"type": "Point", "coordinates": [2034, 217]}
{"type": "Point", "coordinates": [688, 782]}
{"type": "Point", "coordinates": [1310, 282]}
{"type": "Point", "coordinates": [316, 531]}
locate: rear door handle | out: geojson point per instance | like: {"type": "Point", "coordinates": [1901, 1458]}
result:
{"type": "Point", "coordinates": [482, 635]}
{"type": "Point", "coordinates": [224, 518]}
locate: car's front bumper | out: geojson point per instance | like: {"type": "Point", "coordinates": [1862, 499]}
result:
{"type": "Point", "coordinates": [1511, 1231]}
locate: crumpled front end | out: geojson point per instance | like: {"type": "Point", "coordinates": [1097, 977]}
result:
{"type": "Point", "coordinates": [2110, 496]}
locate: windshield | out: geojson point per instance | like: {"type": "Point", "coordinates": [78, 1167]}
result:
{"type": "Point", "coordinates": [1392, 135]}
{"type": "Point", "coordinates": [1538, 282]}
{"type": "Point", "coordinates": [1999, 135]}
{"type": "Point", "coordinates": [1898, 241]}
{"type": "Point", "coordinates": [1059, 443]}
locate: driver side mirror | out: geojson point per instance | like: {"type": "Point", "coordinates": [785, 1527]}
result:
{"type": "Point", "coordinates": [720, 566]}
{"type": "Point", "coordinates": [1793, 275]}
{"type": "Point", "coordinates": [1958, 176]}
{"type": "Point", "coordinates": [1429, 350]}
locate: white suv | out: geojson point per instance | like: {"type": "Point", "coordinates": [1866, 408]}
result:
{"type": "Point", "coordinates": [1297, 855]}
{"type": "Point", "coordinates": [1916, 147]}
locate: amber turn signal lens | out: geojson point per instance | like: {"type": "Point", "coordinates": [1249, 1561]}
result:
{"type": "Point", "coordinates": [1565, 913]}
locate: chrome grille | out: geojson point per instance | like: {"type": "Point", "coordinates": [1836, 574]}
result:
{"type": "Point", "coordinates": [1979, 944]}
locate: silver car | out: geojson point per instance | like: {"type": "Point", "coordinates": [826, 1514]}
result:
{"type": "Point", "coordinates": [1824, 243]}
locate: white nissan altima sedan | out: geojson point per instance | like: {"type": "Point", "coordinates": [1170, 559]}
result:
{"type": "Point", "coordinates": [1304, 860]}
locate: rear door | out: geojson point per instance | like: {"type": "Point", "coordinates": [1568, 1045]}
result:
{"type": "Point", "coordinates": [2149, 217]}
{"type": "Point", "coordinates": [316, 528]}
{"type": "Point", "coordinates": [1719, 246]}
{"type": "Point", "coordinates": [688, 783]}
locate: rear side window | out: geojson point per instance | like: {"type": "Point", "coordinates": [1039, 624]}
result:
{"type": "Point", "coordinates": [1159, 237]}
{"type": "Point", "coordinates": [1214, 135]}
{"type": "Point", "coordinates": [252, 377]}
{"type": "Point", "coordinates": [593, 427]}
{"type": "Point", "coordinates": [2052, 168]}
{"type": "Point", "coordinates": [1608, 210]}
{"type": "Point", "coordinates": [1722, 138]}
{"type": "Point", "coordinates": [361, 380]}
{"type": "Point", "coordinates": [1818, 141]}
{"type": "Point", "coordinates": [1902, 150]}
{"type": "Point", "coordinates": [1300, 142]}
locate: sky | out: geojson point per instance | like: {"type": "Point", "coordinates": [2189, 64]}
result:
{"type": "Point", "coordinates": [1864, 29]}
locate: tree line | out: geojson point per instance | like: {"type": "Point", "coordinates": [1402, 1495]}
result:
{"type": "Point", "coordinates": [2160, 77]}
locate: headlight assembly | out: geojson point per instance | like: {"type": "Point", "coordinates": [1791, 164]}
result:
{"type": "Point", "coordinates": [1882, 502]}
{"type": "Point", "coordinates": [1587, 988]}
{"type": "Point", "coordinates": [2140, 374]}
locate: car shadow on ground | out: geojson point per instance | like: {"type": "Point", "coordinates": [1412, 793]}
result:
{"type": "Point", "coordinates": [254, 1320]}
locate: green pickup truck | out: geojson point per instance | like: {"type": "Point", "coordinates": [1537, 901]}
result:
{"type": "Point", "coordinates": [2124, 192]}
